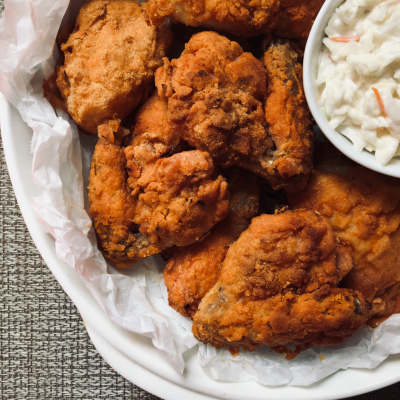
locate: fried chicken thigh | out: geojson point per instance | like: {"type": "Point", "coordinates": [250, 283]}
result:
{"type": "Point", "coordinates": [110, 59]}
{"type": "Point", "coordinates": [363, 208]}
{"type": "Point", "coordinates": [240, 17]}
{"type": "Point", "coordinates": [216, 96]}
{"type": "Point", "coordinates": [193, 270]}
{"type": "Point", "coordinates": [278, 285]}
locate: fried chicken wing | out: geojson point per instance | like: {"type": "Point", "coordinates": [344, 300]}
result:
{"type": "Point", "coordinates": [112, 207]}
{"type": "Point", "coordinates": [278, 285]}
{"type": "Point", "coordinates": [287, 114]}
{"type": "Point", "coordinates": [363, 208]}
{"type": "Point", "coordinates": [176, 200]}
{"type": "Point", "coordinates": [239, 17]}
{"type": "Point", "coordinates": [193, 270]}
{"type": "Point", "coordinates": [216, 95]}
{"type": "Point", "coordinates": [110, 59]}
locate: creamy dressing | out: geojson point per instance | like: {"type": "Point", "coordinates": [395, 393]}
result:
{"type": "Point", "coordinates": [359, 75]}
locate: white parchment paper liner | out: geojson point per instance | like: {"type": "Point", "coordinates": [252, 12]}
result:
{"type": "Point", "coordinates": [135, 299]}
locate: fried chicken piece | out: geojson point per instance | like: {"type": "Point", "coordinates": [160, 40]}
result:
{"type": "Point", "coordinates": [176, 202]}
{"type": "Point", "coordinates": [239, 17]}
{"type": "Point", "coordinates": [216, 95]}
{"type": "Point", "coordinates": [278, 286]}
{"type": "Point", "coordinates": [363, 208]}
{"type": "Point", "coordinates": [193, 270]}
{"type": "Point", "coordinates": [287, 114]}
{"type": "Point", "coordinates": [112, 207]}
{"type": "Point", "coordinates": [110, 59]}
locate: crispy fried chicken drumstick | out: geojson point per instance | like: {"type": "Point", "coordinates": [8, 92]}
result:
{"type": "Point", "coordinates": [240, 17]}
{"type": "Point", "coordinates": [193, 270]}
{"type": "Point", "coordinates": [110, 59]}
{"type": "Point", "coordinates": [216, 96]}
{"type": "Point", "coordinates": [363, 208]}
{"type": "Point", "coordinates": [278, 285]}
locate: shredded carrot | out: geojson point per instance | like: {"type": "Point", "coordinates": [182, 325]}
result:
{"type": "Point", "coordinates": [380, 101]}
{"type": "Point", "coordinates": [343, 39]}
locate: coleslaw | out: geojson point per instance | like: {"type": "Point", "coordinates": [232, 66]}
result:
{"type": "Point", "coordinates": [359, 75]}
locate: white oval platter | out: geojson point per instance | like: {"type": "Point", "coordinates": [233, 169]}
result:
{"type": "Point", "coordinates": [134, 356]}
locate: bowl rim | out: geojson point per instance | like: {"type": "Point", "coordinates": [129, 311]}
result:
{"type": "Point", "coordinates": [343, 144]}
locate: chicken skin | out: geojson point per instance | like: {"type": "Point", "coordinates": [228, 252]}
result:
{"type": "Point", "coordinates": [278, 285]}
{"type": "Point", "coordinates": [240, 17]}
{"type": "Point", "coordinates": [363, 208]}
{"type": "Point", "coordinates": [193, 270]}
{"type": "Point", "coordinates": [176, 202]}
{"type": "Point", "coordinates": [216, 97]}
{"type": "Point", "coordinates": [110, 59]}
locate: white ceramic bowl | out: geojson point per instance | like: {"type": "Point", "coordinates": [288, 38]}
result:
{"type": "Point", "coordinates": [311, 60]}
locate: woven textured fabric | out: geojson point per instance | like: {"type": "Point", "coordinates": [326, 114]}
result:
{"type": "Point", "coordinates": [45, 351]}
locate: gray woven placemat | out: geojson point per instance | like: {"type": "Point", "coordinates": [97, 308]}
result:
{"type": "Point", "coordinates": [45, 351]}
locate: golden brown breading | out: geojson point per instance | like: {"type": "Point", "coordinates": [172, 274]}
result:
{"type": "Point", "coordinates": [216, 95]}
{"type": "Point", "coordinates": [111, 205]}
{"type": "Point", "coordinates": [110, 59]}
{"type": "Point", "coordinates": [239, 17]}
{"type": "Point", "coordinates": [287, 114]}
{"type": "Point", "coordinates": [363, 208]}
{"type": "Point", "coordinates": [193, 270]}
{"type": "Point", "coordinates": [278, 286]}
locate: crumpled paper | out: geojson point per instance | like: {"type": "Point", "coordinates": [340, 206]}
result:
{"type": "Point", "coordinates": [135, 299]}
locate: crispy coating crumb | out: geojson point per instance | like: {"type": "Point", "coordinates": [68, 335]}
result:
{"type": "Point", "coordinates": [238, 17]}
{"type": "Point", "coordinates": [288, 116]}
{"type": "Point", "coordinates": [216, 96]}
{"type": "Point", "coordinates": [193, 270]}
{"type": "Point", "coordinates": [110, 59]}
{"type": "Point", "coordinates": [363, 208]}
{"type": "Point", "coordinates": [111, 205]}
{"type": "Point", "coordinates": [278, 286]}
